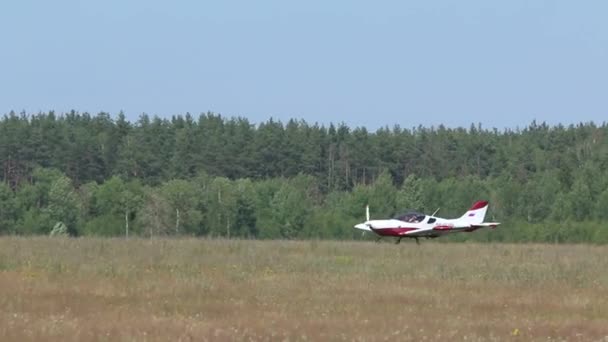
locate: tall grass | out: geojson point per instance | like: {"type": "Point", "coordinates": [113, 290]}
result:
{"type": "Point", "coordinates": [196, 289]}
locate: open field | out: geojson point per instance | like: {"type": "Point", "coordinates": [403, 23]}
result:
{"type": "Point", "coordinates": [189, 289]}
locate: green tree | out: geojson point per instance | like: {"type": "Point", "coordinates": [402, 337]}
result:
{"type": "Point", "coordinates": [8, 212]}
{"type": "Point", "coordinates": [411, 194]}
{"type": "Point", "coordinates": [130, 200]}
{"type": "Point", "coordinates": [383, 195]}
{"type": "Point", "coordinates": [155, 213]}
{"type": "Point", "coordinates": [580, 200]}
{"type": "Point", "coordinates": [601, 209]}
{"type": "Point", "coordinates": [183, 197]}
{"type": "Point", "coordinates": [64, 205]}
{"type": "Point", "coordinates": [245, 219]}
{"type": "Point", "coordinates": [220, 201]}
{"type": "Point", "coordinates": [290, 208]}
{"type": "Point", "coordinates": [562, 208]}
{"type": "Point", "coordinates": [119, 199]}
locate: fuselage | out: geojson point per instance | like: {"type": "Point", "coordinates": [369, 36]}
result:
{"type": "Point", "coordinates": [431, 225]}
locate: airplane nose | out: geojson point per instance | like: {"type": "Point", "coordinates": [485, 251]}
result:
{"type": "Point", "coordinates": [361, 226]}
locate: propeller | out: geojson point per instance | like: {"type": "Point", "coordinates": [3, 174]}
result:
{"type": "Point", "coordinates": [366, 218]}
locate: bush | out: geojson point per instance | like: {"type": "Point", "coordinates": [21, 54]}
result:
{"type": "Point", "coordinates": [105, 225]}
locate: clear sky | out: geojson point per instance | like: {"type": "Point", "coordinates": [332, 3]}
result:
{"type": "Point", "coordinates": [365, 63]}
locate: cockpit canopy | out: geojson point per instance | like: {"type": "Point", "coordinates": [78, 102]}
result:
{"type": "Point", "coordinates": [411, 217]}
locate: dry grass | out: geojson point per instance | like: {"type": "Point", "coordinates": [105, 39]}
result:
{"type": "Point", "coordinates": [150, 290]}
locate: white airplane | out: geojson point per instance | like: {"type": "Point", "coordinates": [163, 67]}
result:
{"type": "Point", "coordinates": [416, 225]}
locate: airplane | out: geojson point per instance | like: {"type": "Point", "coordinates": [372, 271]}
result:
{"type": "Point", "coordinates": [416, 225]}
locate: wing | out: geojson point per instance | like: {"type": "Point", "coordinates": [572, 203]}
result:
{"type": "Point", "coordinates": [422, 232]}
{"type": "Point", "coordinates": [445, 229]}
{"type": "Point", "coordinates": [432, 231]}
{"type": "Point", "coordinates": [485, 224]}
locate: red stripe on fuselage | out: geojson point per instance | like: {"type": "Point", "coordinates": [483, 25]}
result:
{"type": "Point", "coordinates": [392, 231]}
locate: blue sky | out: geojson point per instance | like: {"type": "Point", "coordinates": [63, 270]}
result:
{"type": "Point", "coordinates": [364, 63]}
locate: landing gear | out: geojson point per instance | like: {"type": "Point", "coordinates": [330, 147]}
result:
{"type": "Point", "coordinates": [379, 238]}
{"type": "Point", "coordinates": [399, 240]}
{"type": "Point", "coordinates": [401, 237]}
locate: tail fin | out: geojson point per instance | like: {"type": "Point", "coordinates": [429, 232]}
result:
{"type": "Point", "coordinates": [477, 213]}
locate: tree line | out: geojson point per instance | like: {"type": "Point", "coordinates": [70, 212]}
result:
{"type": "Point", "coordinates": [211, 175]}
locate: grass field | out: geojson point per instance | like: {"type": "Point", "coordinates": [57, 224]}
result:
{"type": "Point", "coordinates": [190, 289]}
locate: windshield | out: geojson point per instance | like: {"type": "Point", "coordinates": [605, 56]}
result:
{"type": "Point", "coordinates": [411, 217]}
